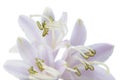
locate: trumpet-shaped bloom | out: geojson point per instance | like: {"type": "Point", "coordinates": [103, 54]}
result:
{"type": "Point", "coordinates": [82, 61]}
{"type": "Point", "coordinates": [46, 30]}
{"type": "Point", "coordinates": [34, 65]}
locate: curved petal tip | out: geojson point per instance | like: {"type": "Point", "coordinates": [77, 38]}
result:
{"type": "Point", "coordinates": [103, 51]}
{"type": "Point", "coordinates": [79, 33]}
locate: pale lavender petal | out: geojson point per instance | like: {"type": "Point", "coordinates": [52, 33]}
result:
{"type": "Point", "coordinates": [48, 38]}
{"type": "Point", "coordinates": [78, 36]}
{"type": "Point", "coordinates": [46, 54]}
{"type": "Point", "coordinates": [17, 68]}
{"type": "Point", "coordinates": [30, 28]}
{"type": "Point", "coordinates": [103, 51]}
{"type": "Point", "coordinates": [67, 75]}
{"type": "Point", "coordinates": [48, 13]}
{"type": "Point", "coordinates": [27, 52]}
{"type": "Point", "coordinates": [60, 66]}
{"type": "Point", "coordinates": [98, 74]}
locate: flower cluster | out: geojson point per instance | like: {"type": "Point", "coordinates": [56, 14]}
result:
{"type": "Point", "coordinates": [46, 39]}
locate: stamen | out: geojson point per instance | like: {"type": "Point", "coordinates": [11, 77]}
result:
{"type": "Point", "coordinates": [81, 52]}
{"type": "Point", "coordinates": [101, 63]}
{"type": "Point", "coordinates": [39, 64]}
{"type": "Point", "coordinates": [32, 71]}
{"type": "Point", "coordinates": [50, 24]}
{"type": "Point", "coordinates": [39, 25]}
{"type": "Point", "coordinates": [70, 69]}
{"type": "Point", "coordinates": [85, 52]}
{"type": "Point", "coordinates": [75, 69]}
{"type": "Point", "coordinates": [86, 64]}
{"type": "Point", "coordinates": [78, 71]}
{"type": "Point", "coordinates": [91, 52]}
{"type": "Point", "coordinates": [43, 27]}
{"type": "Point", "coordinates": [45, 31]}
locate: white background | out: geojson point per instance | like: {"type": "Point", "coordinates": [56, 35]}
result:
{"type": "Point", "coordinates": [101, 17]}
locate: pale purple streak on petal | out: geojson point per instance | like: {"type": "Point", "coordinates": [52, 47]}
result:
{"type": "Point", "coordinates": [27, 52]}
{"type": "Point", "coordinates": [98, 74]}
{"type": "Point", "coordinates": [78, 36]}
{"type": "Point", "coordinates": [30, 28]}
{"type": "Point", "coordinates": [17, 68]}
{"type": "Point", "coordinates": [103, 51]}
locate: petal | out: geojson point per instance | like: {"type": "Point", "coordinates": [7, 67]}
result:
{"type": "Point", "coordinates": [98, 74]}
{"type": "Point", "coordinates": [103, 51]}
{"type": "Point", "coordinates": [63, 44]}
{"type": "Point", "coordinates": [59, 65]}
{"type": "Point", "coordinates": [27, 52]}
{"type": "Point", "coordinates": [67, 75]}
{"type": "Point", "coordinates": [46, 54]}
{"type": "Point", "coordinates": [63, 18]}
{"type": "Point", "coordinates": [48, 13]}
{"type": "Point", "coordinates": [48, 38]}
{"type": "Point", "coordinates": [30, 28]}
{"type": "Point", "coordinates": [14, 49]}
{"type": "Point", "coordinates": [78, 36]}
{"type": "Point", "coordinates": [17, 68]}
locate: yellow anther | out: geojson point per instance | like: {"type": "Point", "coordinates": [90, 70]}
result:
{"type": "Point", "coordinates": [93, 52]}
{"type": "Point", "coordinates": [88, 66]}
{"type": "Point", "coordinates": [51, 18]}
{"type": "Point", "coordinates": [39, 64]}
{"type": "Point", "coordinates": [86, 56]}
{"type": "Point", "coordinates": [78, 73]}
{"type": "Point", "coordinates": [89, 53]}
{"type": "Point", "coordinates": [43, 27]}
{"type": "Point", "coordinates": [45, 32]}
{"type": "Point", "coordinates": [39, 25]}
{"type": "Point", "coordinates": [32, 71]}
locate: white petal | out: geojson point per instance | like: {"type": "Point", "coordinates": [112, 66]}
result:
{"type": "Point", "coordinates": [103, 51]}
{"type": "Point", "coordinates": [30, 28]}
{"type": "Point", "coordinates": [63, 18]}
{"type": "Point", "coordinates": [78, 36]}
{"type": "Point", "coordinates": [63, 44]}
{"type": "Point", "coordinates": [14, 49]}
{"type": "Point", "coordinates": [17, 68]}
{"type": "Point", "coordinates": [27, 52]}
{"type": "Point", "coordinates": [48, 13]}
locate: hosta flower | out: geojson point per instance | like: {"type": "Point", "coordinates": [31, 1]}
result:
{"type": "Point", "coordinates": [45, 30]}
{"type": "Point", "coordinates": [82, 62]}
{"type": "Point", "coordinates": [34, 65]}
{"type": "Point", "coordinates": [46, 38]}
